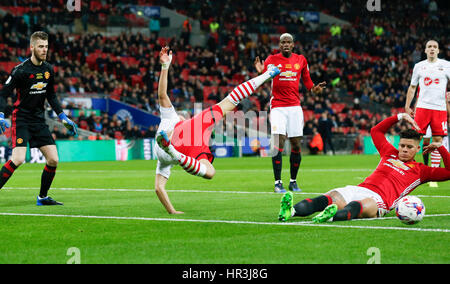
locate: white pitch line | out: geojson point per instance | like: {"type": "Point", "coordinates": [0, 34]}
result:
{"type": "Point", "coordinates": [187, 191]}
{"type": "Point", "coordinates": [179, 169]}
{"type": "Point", "coordinates": [305, 223]}
{"type": "Point", "coordinates": [151, 190]}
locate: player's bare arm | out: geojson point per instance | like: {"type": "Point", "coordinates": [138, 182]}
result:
{"type": "Point", "coordinates": [406, 117]}
{"type": "Point", "coordinates": [160, 189]}
{"type": "Point", "coordinates": [409, 98]}
{"type": "Point", "coordinates": [431, 147]}
{"type": "Point", "coordinates": [259, 65]}
{"type": "Point", "coordinates": [165, 57]}
{"type": "Point", "coordinates": [447, 100]}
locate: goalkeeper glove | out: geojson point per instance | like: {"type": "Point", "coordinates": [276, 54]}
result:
{"type": "Point", "coordinates": [3, 123]}
{"type": "Point", "coordinates": [69, 124]}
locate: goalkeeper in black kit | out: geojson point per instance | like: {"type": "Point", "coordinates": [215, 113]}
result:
{"type": "Point", "coordinates": [33, 80]}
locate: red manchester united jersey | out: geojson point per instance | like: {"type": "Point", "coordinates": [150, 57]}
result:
{"type": "Point", "coordinates": [285, 87]}
{"type": "Point", "coordinates": [393, 179]}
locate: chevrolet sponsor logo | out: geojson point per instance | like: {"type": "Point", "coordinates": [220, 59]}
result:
{"type": "Point", "coordinates": [288, 73]}
{"type": "Point", "coordinates": [398, 164]}
{"type": "Point", "coordinates": [39, 86]}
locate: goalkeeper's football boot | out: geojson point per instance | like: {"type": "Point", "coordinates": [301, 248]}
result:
{"type": "Point", "coordinates": [47, 201]}
{"type": "Point", "coordinates": [326, 214]}
{"type": "Point", "coordinates": [287, 207]}
{"type": "Point", "coordinates": [279, 188]}
{"type": "Point", "coordinates": [294, 187]}
{"type": "Point", "coordinates": [164, 142]}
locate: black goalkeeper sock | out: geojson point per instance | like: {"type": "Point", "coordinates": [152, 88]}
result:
{"type": "Point", "coordinates": [46, 180]}
{"type": "Point", "coordinates": [308, 206]}
{"type": "Point", "coordinates": [350, 211]}
{"type": "Point", "coordinates": [277, 164]}
{"type": "Point", "coordinates": [295, 160]}
{"type": "Point", "coordinates": [425, 156]}
{"type": "Point", "coordinates": [6, 172]}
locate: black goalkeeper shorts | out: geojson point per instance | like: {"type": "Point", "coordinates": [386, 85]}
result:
{"type": "Point", "coordinates": [36, 134]}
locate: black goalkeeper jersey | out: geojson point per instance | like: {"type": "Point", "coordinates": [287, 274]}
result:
{"type": "Point", "coordinates": [33, 85]}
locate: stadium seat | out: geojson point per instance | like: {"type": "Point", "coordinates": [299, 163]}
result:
{"type": "Point", "coordinates": [208, 90]}
{"type": "Point", "coordinates": [74, 80]}
{"type": "Point", "coordinates": [337, 107]}
{"type": "Point", "coordinates": [308, 114]}
{"type": "Point", "coordinates": [180, 57]}
{"type": "Point", "coordinates": [255, 100]}
{"type": "Point", "coordinates": [185, 74]}
{"type": "Point", "coordinates": [137, 80]}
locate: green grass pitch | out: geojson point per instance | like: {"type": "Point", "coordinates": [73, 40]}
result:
{"type": "Point", "coordinates": [111, 215]}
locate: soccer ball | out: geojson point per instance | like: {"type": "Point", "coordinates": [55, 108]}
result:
{"type": "Point", "coordinates": [410, 210]}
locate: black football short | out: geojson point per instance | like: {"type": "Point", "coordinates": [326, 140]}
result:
{"type": "Point", "coordinates": [36, 134]}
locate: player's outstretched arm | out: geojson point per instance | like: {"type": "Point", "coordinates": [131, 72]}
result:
{"type": "Point", "coordinates": [165, 58]}
{"type": "Point", "coordinates": [160, 189]}
{"type": "Point", "coordinates": [378, 131]}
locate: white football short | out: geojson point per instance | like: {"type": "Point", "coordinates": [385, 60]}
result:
{"type": "Point", "coordinates": [169, 118]}
{"type": "Point", "coordinates": [287, 121]}
{"type": "Point", "coordinates": [356, 193]}
{"type": "Point", "coordinates": [428, 133]}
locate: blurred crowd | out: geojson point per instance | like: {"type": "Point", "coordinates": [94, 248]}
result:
{"type": "Point", "coordinates": [366, 62]}
{"type": "Point", "coordinates": [106, 127]}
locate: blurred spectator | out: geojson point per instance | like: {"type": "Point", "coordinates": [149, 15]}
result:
{"type": "Point", "coordinates": [186, 32]}
{"type": "Point", "coordinates": [316, 144]}
{"type": "Point", "coordinates": [325, 130]}
{"type": "Point", "coordinates": [360, 67]}
{"type": "Point", "coordinates": [150, 132]}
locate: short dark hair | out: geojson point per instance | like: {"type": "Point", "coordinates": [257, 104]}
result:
{"type": "Point", "coordinates": [38, 35]}
{"type": "Point", "coordinates": [431, 40]}
{"type": "Point", "coordinates": [411, 134]}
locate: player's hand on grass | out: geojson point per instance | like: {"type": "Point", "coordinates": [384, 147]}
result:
{"type": "Point", "coordinates": [165, 57]}
{"type": "Point", "coordinates": [317, 89]}
{"type": "Point", "coordinates": [259, 65]}
{"type": "Point", "coordinates": [176, 212]}
{"type": "Point", "coordinates": [3, 123]}
{"type": "Point", "coordinates": [406, 117]}
{"type": "Point", "coordinates": [431, 147]}
{"type": "Point", "coordinates": [69, 124]}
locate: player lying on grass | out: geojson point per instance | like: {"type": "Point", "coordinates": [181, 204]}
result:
{"type": "Point", "coordinates": [186, 142]}
{"type": "Point", "coordinates": [396, 175]}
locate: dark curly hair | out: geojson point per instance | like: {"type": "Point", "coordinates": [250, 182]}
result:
{"type": "Point", "coordinates": [411, 134]}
